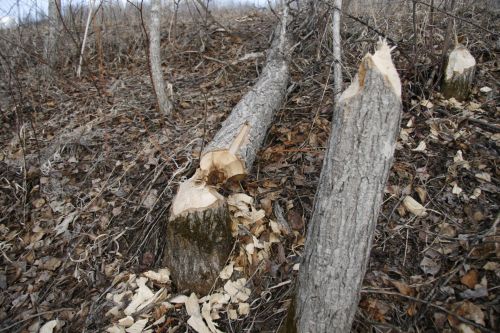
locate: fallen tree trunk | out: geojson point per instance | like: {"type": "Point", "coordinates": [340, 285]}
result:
{"type": "Point", "coordinates": [459, 74]}
{"type": "Point", "coordinates": [355, 170]}
{"type": "Point", "coordinates": [199, 237]}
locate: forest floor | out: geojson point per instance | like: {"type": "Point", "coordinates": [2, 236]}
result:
{"type": "Point", "coordinates": [86, 184]}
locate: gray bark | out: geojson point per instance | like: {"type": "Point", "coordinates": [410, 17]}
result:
{"type": "Point", "coordinates": [355, 170]}
{"type": "Point", "coordinates": [257, 108]}
{"type": "Point", "coordinates": [337, 50]}
{"type": "Point", "coordinates": [53, 25]}
{"type": "Point", "coordinates": [199, 236]}
{"type": "Point", "coordinates": [163, 101]}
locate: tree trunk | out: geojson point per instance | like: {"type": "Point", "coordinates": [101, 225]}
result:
{"type": "Point", "coordinates": [355, 170]}
{"type": "Point", "coordinates": [163, 101]}
{"type": "Point", "coordinates": [53, 25]}
{"type": "Point", "coordinates": [337, 50]}
{"type": "Point", "coordinates": [85, 34]}
{"type": "Point", "coordinates": [199, 237]}
{"type": "Point", "coordinates": [459, 74]}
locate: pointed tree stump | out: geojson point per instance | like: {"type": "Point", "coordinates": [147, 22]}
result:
{"type": "Point", "coordinates": [355, 170]}
{"type": "Point", "coordinates": [459, 74]}
{"type": "Point", "coordinates": [199, 237]}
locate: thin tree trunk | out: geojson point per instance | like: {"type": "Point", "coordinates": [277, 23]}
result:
{"type": "Point", "coordinates": [355, 170]}
{"type": "Point", "coordinates": [163, 101]}
{"type": "Point", "coordinates": [85, 34]}
{"type": "Point", "coordinates": [337, 50]}
{"type": "Point", "coordinates": [198, 232]}
{"type": "Point", "coordinates": [53, 24]}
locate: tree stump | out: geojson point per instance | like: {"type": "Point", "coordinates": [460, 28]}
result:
{"type": "Point", "coordinates": [459, 74]}
{"type": "Point", "coordinates": [199, 236]}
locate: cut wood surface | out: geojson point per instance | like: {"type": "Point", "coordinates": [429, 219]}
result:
{"type": "Point", "coordinates": [355, 170]}
{"type": "Point", "coordinates": [459, 73]}
{"type": "Point", "coordinates": [199, 236]}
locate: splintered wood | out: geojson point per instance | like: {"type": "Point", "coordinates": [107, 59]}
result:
{"type": "Point", "coordinates": [199, 236]}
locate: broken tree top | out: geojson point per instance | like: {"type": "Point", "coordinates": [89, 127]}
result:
{"type": "Point", "coordinates": [382, 62]}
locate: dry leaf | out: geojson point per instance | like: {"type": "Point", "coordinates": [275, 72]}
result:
{"type": "Point", "coordinates": [243, 309]}
{"type": "Point", "coordinates": [142, 295]}
{"type": "Point", "coordinates": [195, 320]}
{"type": "Point", "coordinates": [49, 326]}
{"type": "Point", "coordinates": [403, 288]}
{"type": "Point", "coordinates": [227, 271]}
{"type": "Point", "coordinates": [484, 176]}
{"type": "Point", "coordinates": [467, 310]}
{"type": "Point", "coordinates": [205, 313]}
{"type": "Point", "coordinates": [414, 206]}
{"type": "Point", "coordinates": [150, 200]}
{"type": "Point", "coordinates": [126, 321]}
{"type": "Point", "coordinates": [421, 147]}
{"type": "Point", "coordinates": [237, 290]}
{"type": "Point", "coordinates": [162, 276]}
{"type": "Point", "coordinates": [456, 189]}
{"type": "Point", "coordinates": [422, 193]}
{"type": "Point", "coordinates": [429, 266]}
{"type": "Point", "coordinates": [137, 327]}
{"type": "Point", "coordinates": [470, 278]}
{"type": "Point", "coordinates": [115, 329]}
{"type": "Point", "coordinates": [63, 226]}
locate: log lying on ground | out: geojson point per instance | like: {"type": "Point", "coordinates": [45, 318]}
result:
{"type": "Point", "coordinates": [459, 74]}
{"type": "Point", "coordinates": [355, 170]}
{"type": "Point", "coordinates": [199, 237]}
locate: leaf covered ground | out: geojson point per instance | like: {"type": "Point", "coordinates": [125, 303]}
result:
{"type": "Point", "coordinates": [88, 169]}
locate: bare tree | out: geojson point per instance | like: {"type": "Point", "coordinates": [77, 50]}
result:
{"type": "Point", "coordinates": [163, 101]}
{"type": "Point", "coordinates": [349, 196]}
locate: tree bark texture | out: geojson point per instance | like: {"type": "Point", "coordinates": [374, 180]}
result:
{"type": "Point", "coordinates": [53, 25]}
{"type": "Point", "coordinates": [163, 101]}
{"type": "Point", "coordinates": [337, 50]}
{"type": "Point", "coordinates": [354, 174]}
{"type": "Point", "coordinates": [199, 236]}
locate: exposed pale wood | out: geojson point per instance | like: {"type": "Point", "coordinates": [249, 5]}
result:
{"type": "Point", "coordinates": [355, 170]}
{"type": "Point", "coordinates": [163, 101]}
{"type": "Point", "coordinates": [198, 232]}
{"type": "Point", "coordinates": [459, 73]}
{"type": "Point", "coordinates": [85, 34]}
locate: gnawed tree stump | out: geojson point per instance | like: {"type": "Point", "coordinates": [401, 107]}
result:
{"type": "Point", "coordinates": [355, 170]}
{"type": "Point", "coordinates": [199, 236]}
{"type": "Point", "coordinates": [459, 74]}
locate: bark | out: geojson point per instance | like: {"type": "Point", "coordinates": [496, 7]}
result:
{"type": "Point", "coordinates": [337, 50]}
{"type": "Point", "coordinates": [163, 101]}
{"type": "Point", "coordinates": [199, 236]}
{"type": "Point", "coordinates": [51, 41]}
{"type": "Point", "coordinates": [355, 170]}
{"type": "Point", "coordinates": [459, 74]}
